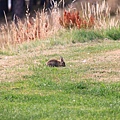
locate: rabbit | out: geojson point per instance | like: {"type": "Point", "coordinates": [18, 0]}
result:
{"type": "Point", "coordinates": [56, 63]}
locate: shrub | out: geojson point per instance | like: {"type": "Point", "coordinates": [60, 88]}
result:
{"type": "Point", "coordinates": [113, 33]}
{"type": "Point", "coordinates": [72, 19]}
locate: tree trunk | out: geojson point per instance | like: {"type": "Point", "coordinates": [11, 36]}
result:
{"type": "Point", "coordinates": [18, 8]}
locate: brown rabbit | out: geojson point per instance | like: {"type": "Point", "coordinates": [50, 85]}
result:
{"type": "Point", "coordinates": [56, 63]}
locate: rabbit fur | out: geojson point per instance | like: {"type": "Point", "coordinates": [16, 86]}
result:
{"type": "Point", "coordinates": [56, 63]}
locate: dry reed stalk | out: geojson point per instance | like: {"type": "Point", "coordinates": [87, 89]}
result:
{"type": "Point", "coordinates": [46, 24]}
{"type": "Point", "coordinates": [101, 12]}
{"type": "Point", "coordinates": [8, 31]}
{"type": "Point", "coordinates": [40, 27]}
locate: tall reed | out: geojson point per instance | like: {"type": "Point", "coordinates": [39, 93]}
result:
{"type": "Point", "coordinates": [45, 24]}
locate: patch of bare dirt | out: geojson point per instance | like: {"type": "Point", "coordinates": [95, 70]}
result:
{"type": "Point", "coordinates": [106, 66]}
{"type": "Point", "coordinates": [53, 51]}
{"type": "Point", "coordinates": [103, 66]}
{"type": "Point", "coordinates": [111, 56]}
{"type": "Point", "coordinates": [12, 68]}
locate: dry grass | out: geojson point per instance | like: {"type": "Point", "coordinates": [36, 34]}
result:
{"type": "Point", "coordinates": [101, 12]}
{"type": "Point", "coordinates": [46, 24]}
{"type": "Point", "coordinates": [106, 66]}
{"type": "Point", "coordinates": [100, 66]}
{"type": "Point", "coordinates": [40, 27]}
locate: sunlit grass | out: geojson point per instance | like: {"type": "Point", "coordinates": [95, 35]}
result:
{"type": "Point", "coordinates": [46, 25]}
{"type": "Point", "coordinates": [87, 88]}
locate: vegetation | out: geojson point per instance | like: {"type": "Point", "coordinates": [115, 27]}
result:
{"type": "Point", "coordinates": [91, 18]}
{"type": "Point", "coordinates": [43, 98]}
{"type": "Point", "coordinates": [87, 88]}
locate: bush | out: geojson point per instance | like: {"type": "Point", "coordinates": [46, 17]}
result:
{"type": "Point", "coordinates": [72, 19]}
{"type": "Point", "coordinates": [86, 35]}
{"type": "Point", "coordinates": [113, 33]}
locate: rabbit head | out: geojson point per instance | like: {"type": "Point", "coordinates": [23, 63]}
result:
{"type": "Point", "coordinates": [62, 63]}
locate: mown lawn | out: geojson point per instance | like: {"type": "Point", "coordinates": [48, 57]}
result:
{"type": "Point", "coordinates": [88, 88]}
{"type": "Point", "coordinates": [55, 96]}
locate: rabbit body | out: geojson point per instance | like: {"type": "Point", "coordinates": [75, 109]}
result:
{"type": "Point", "coordinates": [56, 63]}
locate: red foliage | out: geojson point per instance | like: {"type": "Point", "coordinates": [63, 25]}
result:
{"type": "Point", "coordinates": [72, 19]}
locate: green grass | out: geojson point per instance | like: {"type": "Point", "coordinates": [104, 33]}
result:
{"type": "Point", "coordinates": [83, 35]}
{"type": "Point", "coordinates": [113, 34]}
{"type": "Point", "coordinates": [65, 37]}
{"type": "Point", "coordinates": [54, 96]}
{"type": "Point", "coordinates": [6, 52]}
{"type": "Point", "coordinates": [86, 35]}
{"type": "Point", "coordinates": [70, 93]}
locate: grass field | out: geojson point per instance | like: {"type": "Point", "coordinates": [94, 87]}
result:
{"type": "Point", "coordinates": [88, 88]}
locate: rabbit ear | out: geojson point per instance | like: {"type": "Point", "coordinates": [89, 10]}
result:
{"type": "Point", "coordinates": [61, 59]}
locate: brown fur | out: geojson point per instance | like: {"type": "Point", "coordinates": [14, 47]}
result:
{"type": "Point", "coordinates": [56, 63]}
